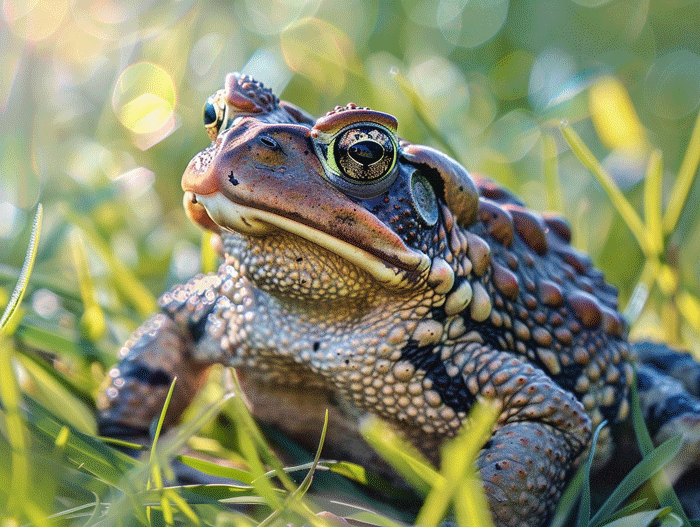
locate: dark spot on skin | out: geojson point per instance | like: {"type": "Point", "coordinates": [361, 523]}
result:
{"type": "Point", "coordinates": [300, 259]}
{"type": "Point", "coordinates": [498, 466]}
{"type": "Point", "coordinates": [644, 381]}
{"type": "Point", "coordinates": [232, 179]}
{"type": "Point", "coordinates": [316, 346]}
{"type": "Point", "coordinates": [306, 152]}
{"type": "Point", "coordinates": [346, 219]}
{"type": "Point", "coordinates": [566, 378]}
{"type": "Point", "coordinates": [488, 444]}
{"type": "Point", "coordinates": [452, 390]}
{"type": "Point", "coordinates": [438, 313]}
{"type": "Point", "coordinates": [197, 328]}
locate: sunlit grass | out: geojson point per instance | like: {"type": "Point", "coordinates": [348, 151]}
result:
{"type": "Point", "coordinates": [19, 501]}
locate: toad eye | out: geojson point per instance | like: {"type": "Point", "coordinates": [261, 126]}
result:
{"type": "Point", "coordinates": [214, 114]}
{"type": "Point", "coordinates": [364, 154]}
{"type": "Point", "coordinates": [362, 159]}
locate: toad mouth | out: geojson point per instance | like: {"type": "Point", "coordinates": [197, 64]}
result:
{"type": "Point", "coordinates": [217, 212]}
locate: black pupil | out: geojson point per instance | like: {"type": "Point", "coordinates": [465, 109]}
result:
{"type": "Point", "coordinates": [209, 113]}
{"type": "Point", "coordinates": [366, 152]}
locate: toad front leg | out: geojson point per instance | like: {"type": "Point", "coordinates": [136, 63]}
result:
{"type": "Point", "coordinates": [539, 440]}
{"type": "Point", "coordinates": [173, 343]}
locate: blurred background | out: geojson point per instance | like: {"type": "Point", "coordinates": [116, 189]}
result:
{"type": "Point", "coordinates": [101, 109]}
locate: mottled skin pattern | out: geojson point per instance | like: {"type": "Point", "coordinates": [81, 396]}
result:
{"type": "Point", "coordinates": [372, 276]}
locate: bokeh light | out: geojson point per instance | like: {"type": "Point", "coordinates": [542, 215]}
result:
{"type": "Point", "coordinates": [551, 72]}
{"type": "Point", "coordinates": [78, 54]}
{"type": "Point", "coordinates": [144, 98]}
{"type": "Point", "coordinates": [509, 76]}
{"type": "Point", "coordinates": [672, 87]}
{"type": "Point", "coordinates": [614, 116]}
{"type": "Point", "coordinates": [271, 17]}
{"type": "Point", "coordinates": [9, 64]}
{"type": "Point", "coordinates": [470, 23]}
{"type": "Point", "coordinates": [442, 87]}
{"type": "Point", "coordinates": [321, 52]}
{"type": "Point", "coordinates": [206, 52]}
{"type": "Point", "coordinates": [514, 134]}
{"type": "Point", "coordinates": [34, 20]}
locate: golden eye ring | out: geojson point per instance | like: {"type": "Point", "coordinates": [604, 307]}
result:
{"type": "Point", "coordinates": [364, 154]}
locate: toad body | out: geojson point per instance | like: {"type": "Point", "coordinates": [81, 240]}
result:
{"type": "Point", "coordinates": [369, 275]}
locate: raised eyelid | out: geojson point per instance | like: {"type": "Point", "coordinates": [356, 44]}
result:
{"type": "Point", "coordinates": [332, 123]}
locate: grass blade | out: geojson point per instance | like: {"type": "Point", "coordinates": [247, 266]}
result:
{"type": "Point", "coordinates": [552, 183]}
{"type": "Point", "coordinates": [647, 467]}
{"type": "Point", "coordinates": [306, 483]}
{"type": "Point", "coordinates": [124, 280]}
{"type": "Point", "coordinates": [210, 259]}
{"type": "Point", "coordinates": [23, 279]}
{"type": "Point", "coordinates": [407, 461]}
{"type": "Point", "coordinates": [639, 519]}
{"type": "Point", "coordinates": [584, 510]}
{"type": "Point", "coordinates": [156, 480]}
{"type": "Point", "coordinates": [422, 113]}
{"type": "Point", "coordinates": [58, 399]}
{"type": "Point", "coordinates": [215, 469]}
{"type": "Point", "coordinates": [93, 321]}
{"type": "Point", "coordinates": [568, 499]}
{"type": "Point", "coordinates": [459, 483]}
{"type": "Point", "coordinates": [664, 492]}
{"type": "Point", "coordinates": [627, 510]}
{"type": "Point", "coordinates": [84, 451]}
{"type": "Point", "coordinates": [652, 201]}
{"type": "Point", "coordinates": [617, 198]}
{"type": "Point", "coordinates": [20, 501]}
{"type": "Point", "coordinates": [684, 181]}
{"type": "Point", "coordinates": [640, 294]}
{"type": "Point", "coordinates": [689, 306]}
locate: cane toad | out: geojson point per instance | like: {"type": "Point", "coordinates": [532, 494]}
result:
{"type": "Point", "coordinates": [374, 276]}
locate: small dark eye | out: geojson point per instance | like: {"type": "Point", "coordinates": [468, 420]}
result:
{"type": "Point", "coordinates": [210, 116]}
{"type": "Point", "coordinates": [269, 142]}
{"type": "Point", "coordinates": [214, 110]}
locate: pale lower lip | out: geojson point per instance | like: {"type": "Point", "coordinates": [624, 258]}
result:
{"type": "Point", "coordinates": [247, 220]}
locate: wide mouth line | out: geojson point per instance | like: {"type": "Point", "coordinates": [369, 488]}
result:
{"type": "Point", "coordinates": [247, 220]}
